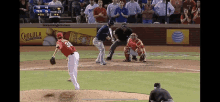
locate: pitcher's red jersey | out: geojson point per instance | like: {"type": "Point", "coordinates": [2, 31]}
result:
{"type": "Point", "coordinates": [66, 47]}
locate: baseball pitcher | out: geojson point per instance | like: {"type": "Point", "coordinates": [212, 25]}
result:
{"type": "Point", "coordinates": [121, 34]}
{"type": "Point", "coordinates": [72, 56]}
{"type": "Point", "coordinates": [102, 35]}
{"type": "Point", "coordinates": [134, 47]}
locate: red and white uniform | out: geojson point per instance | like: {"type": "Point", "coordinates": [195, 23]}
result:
{"type": "Point", "coordinates": [136, 47]}
{"type": "Point", "coordinates": [66, 47]}
{"type": "Point", "coordinates": [73, 59]}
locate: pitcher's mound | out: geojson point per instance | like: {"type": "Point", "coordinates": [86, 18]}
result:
{"type": "Point", "coordinates": [78, 96]}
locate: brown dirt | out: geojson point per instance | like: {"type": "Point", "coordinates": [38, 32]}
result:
{"type": "Point", "coordinates": [117, 65]}
{"type": "Point", "coordinates": [77, 95]}
{"type": "Point", "coordinates": [120, 48]}
{"type": "Point", "coordinates": [114, 65]}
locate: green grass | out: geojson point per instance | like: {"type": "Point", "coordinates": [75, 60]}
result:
{"type": "Point", "coordinates": [183, 87]}
{"type": "Point", "coordinates": [29, 56]}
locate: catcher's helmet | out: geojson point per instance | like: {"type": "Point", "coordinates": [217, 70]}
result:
{"type": "Point", "coordinates": [110, 22]}
{"type": "Point", "coordinates": [133, 36]}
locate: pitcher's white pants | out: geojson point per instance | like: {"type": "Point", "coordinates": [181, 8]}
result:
{"type": "Point", "coordinates": [99, 44]}
{"type": "Point", "coordinates": [73, 62]}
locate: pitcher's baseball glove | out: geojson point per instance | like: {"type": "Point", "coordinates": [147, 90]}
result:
{"type": "Point", "coordinates": [52, 61]}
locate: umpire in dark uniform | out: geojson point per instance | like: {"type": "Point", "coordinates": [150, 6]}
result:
{"type": "Point", "coordinates": [159, 94]}
{"type": "Point", "coordinates": [121, 34]}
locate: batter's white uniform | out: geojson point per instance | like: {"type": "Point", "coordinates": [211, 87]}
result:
{"type": "Point", "coordinates": [98, 42]}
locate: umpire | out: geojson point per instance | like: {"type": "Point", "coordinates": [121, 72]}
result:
{"type": "Point", "coordinates": [159, 94]}
{"type": "Point", "coordinates": [121, 34]}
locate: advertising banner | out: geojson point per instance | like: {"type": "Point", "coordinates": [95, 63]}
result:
{"type": "Point", "coordinates": [177, 36]}
{"type": "Point", "coordinates": [47, 36]}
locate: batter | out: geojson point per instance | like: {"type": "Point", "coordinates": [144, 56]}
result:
{"type": "Point", "coordinates": [102, 35]}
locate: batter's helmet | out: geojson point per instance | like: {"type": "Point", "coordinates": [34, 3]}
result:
{"type": "Point", "coordinates": [110, 22]}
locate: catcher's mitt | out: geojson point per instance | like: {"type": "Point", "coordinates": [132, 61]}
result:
{"type": "Point", "coordinates": [52, 61]}
{"type": "Point", "coordinates": [142, 58]}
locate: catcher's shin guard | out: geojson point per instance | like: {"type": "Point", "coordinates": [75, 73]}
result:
{"type": "Point", "coordinates": [127, 54]}
{"type": "Point", "coordinates": [140, 51]}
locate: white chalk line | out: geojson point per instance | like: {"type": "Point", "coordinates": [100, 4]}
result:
{"type": "Point", "coordinates": [162, 67]}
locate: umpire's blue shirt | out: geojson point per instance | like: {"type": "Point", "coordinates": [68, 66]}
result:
{"type": "Point", "coordinates": [120, 18]}
{"type": "Point", "coordinates": [103, 33]}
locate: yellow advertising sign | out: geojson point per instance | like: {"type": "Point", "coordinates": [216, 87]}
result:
{"type": "Point", "coordinates": [177, 36]}
{"type": "Point", "coordinates": [47, 36]}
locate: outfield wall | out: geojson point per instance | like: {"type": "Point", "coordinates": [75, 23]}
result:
{"type": "Point", "coordinates": [82, 34]}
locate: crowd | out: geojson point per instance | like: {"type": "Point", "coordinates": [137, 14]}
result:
{"type": "Point", "coordinates": [129, 11]}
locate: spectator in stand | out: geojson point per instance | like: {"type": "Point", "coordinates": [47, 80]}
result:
{"type": "Point", "coordinates": [144, 2]}
{"type": "Point", "coordinates": [121, 13]}
{"type": "Point", "coordinates": [139, 15]}
{"type": "Point", "coordinates": [105, 6]}
{"type": "Point", "coordinates": [89, 11]}
{"type": "Point", "coordinates": [185, 17]}
{"type": "Point", "coordinates": [160, 10]}
{"type": "Point", "coordinates": [133, 10]}
{"type": "Point", "coordinates": [46, 2]}
{"type": "Point", "coordinates": [147, 14]}
{"type": "Point", "coordinates": [76, 8]}
{"type": "Point", "coordinates": [118, 2]}
{"type": "Point", "coordinates": [23, 10]}
{"type": "Point", "coordinates": [54, 18]}
{"type": "Point", "coordinates": [83, 4]}
{"type": "Point", "coordinates": [174, 18]}
{"type": "Point", "coordinates": [111, 9]}
{"type": "Point", "coordinates": [154, 2]}
{"type": "Point", "coordinates": [100, 13]}
{"type": "Point", "coordinates": [82, 17]}
{"type": "Point", "coordinates": [196, 12]}
{"type": "Point", "coordinates": [189, 4]}
{"type": "Point", "coordinates": [33, 16]}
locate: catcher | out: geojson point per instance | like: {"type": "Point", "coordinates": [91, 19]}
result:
{"type": "Point", "coordinates": [134, 47]}
{"type": "Point", "coordinates": [72, 56]}
{"type": "Point", "coordinates": [121, 34]}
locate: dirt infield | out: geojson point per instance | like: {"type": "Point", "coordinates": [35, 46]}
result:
{"type": "Point", "coordinates": [120, 48]}
{"type": "Point", "coordinates": [117, 65]}
{"type": "Point", "coordinates": [161, 65]}
{"type": "Point", "coordinates": [78, 96]}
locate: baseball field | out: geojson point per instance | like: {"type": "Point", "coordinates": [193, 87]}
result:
{"type": "Point", "coordinates": [176, 68]}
